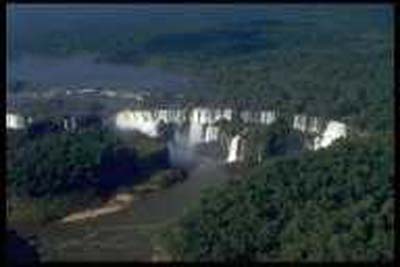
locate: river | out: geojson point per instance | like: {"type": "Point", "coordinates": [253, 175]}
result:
{"type": "Point", "coordinates": [126, 235]}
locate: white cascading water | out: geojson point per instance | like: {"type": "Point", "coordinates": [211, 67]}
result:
{"type": "Point", "coordinates": [233, 152]}
{"type": "Point", "coordinates": [333, 131]}
{"type": "Point", "coordinates": [300, 123]}
{"type": "Point", "coordinates": [196, 127]}
{"type": "Point", "coordinates": [202, 128]}
{"type": "Point", "coordinates": [70, 124]}
{"type": "Point", "coordinates": [15, 121]}
{"type": "Point", "coordinates": [211, 133]}
{"type": "Point", "coordinates": [304, 123]}
{"type": "Point", "coordinates": [267, 117]}
{"type": "Point", "coordinates": [139, 120]}
{"type": "Point", "coordinates": [201, 124]}
{"type": "Point", "coordinates": [180, 151]}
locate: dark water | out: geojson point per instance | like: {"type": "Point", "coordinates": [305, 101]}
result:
{"type": "Point", "coordinates": [84, 71]}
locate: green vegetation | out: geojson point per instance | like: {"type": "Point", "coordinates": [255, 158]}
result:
{"type": "Point", "coordinates": [36, 211]}
{"type": "Point", "coordinates": [277, 139]}
{"type": "Point", "coordinates": [55, 163]}
{"type": "Point", "coordinates": [60, 172]}
{"type": "Point", "coordinates": [334, 204]}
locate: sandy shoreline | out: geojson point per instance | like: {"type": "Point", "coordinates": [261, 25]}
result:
{"type": "Point", "coordinates": [117, 203]}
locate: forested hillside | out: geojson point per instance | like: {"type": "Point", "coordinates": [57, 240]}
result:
{"type": "Point", "coordinates": [331, 205]}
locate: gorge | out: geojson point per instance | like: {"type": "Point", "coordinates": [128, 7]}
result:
{"type": "Point", "coordinates": [190, 127]}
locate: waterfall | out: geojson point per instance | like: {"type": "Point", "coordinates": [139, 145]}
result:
{"type": "Point", "coordinates": [211, 133]}
{"type": "Point", "coordinates": [139, 120]}
{"type": "Point", "coordinates": [15, 121]}
{"type": "Point", "coordinates": [195, 133]}
{"type": "Point", "coordinates": [202, 128]}
{"type": "Point", "coordinates": [180, 150]}
{"type": "Point", "coordinates": [233, 153]}
{"type": "Point", "coordinates": [199, 125]}
{"type": "Point", "coordinates": [333, 131]}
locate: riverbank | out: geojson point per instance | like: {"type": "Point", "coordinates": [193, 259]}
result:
{"type": "Point", "coordinates": [117, 203]}
{"type": "Point", "coordinates": [129, 233]}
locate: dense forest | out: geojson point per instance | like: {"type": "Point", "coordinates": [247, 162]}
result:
{"type": "Point", "coordinates": [335, 205]}
{"type": "Point", "coordinates": [52, 174]}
